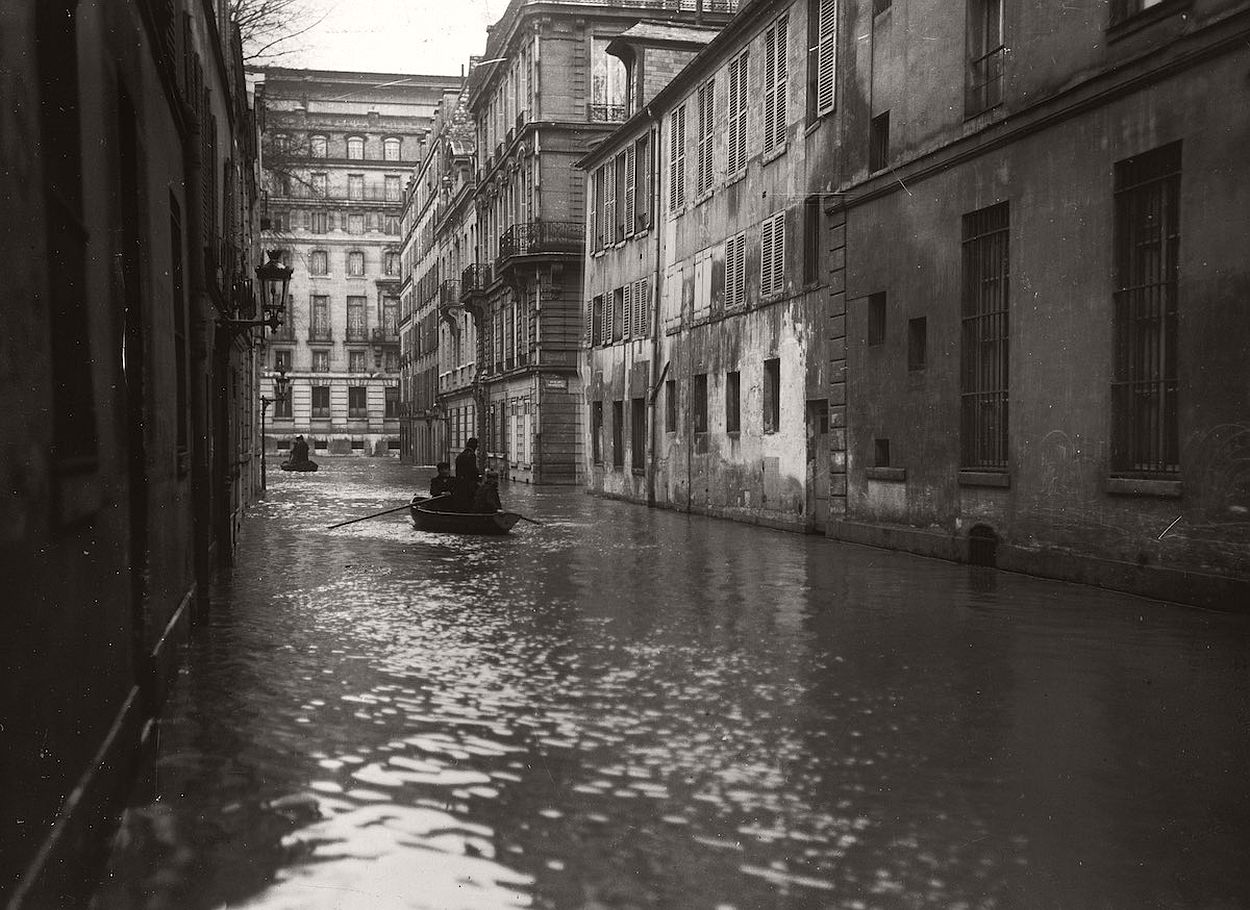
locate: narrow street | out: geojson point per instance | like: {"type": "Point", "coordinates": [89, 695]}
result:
{"type": "Point", "coordinates": [633, 708]}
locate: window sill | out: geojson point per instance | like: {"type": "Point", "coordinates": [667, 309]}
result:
{"type": "Point", "coordinates": [1140, 486]}
{"type": "Point", "coordinates": [734, 434]}
{"type": "Point", "coordinates": [639, 472]}
{"type": "Point", "coordinates": [736, 177]}
{"type": "Point", "coordinates": [1000, 479]}
{"type": "Point", "coordinates": [770, 157]}
{"type": "Point", "coordinates": [1145, 18]}
{"type": "Point", "coordinates": [894, 475]}
{"type": "Point", "coordinates": [702, 198]}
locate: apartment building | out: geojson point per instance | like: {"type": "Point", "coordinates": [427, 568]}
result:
{"type": "Point", "coordinates": [707, 354]}
{"type": "Point", "coordinates": [1046, 222]}
{"type": "Point", "coordinates": [547, 89]}
{"type": "Point", "coordinates": [127, 171]}
{"type": "Point", "coordinates": [338, 148]}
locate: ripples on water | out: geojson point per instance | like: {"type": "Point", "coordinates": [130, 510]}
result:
{"type": "Point", "coordinates": [627, 708]}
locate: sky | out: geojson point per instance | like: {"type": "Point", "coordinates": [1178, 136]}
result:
{"type": "Point", "coordinates": [395, 36]}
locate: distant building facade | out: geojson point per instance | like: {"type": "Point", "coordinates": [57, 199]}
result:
{"type": "Point", "coordinates": [548, 90]}
{"type": "Point", "coordinates": [707, 278]}
{"type": "Point", "coordinates": [1046, 227]}
{"type": "Point", "coordinates": [128, 160]}
{"type": "Point", "coordinates": [337, 151]}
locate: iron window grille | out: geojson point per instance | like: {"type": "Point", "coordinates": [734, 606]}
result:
{"type": "Point", "coordinates": [984, 354]}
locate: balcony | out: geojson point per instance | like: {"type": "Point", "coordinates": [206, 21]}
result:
{"type": "Point", "coordinates": [474, 280]}
{"type": "Point", "coordinates": [540, 240]}
{"type": "Point", "coordinates": [384, 336]}
{"type": "Point", "coordinates": [320, 336]}
{"type": "Point", "coordinates": [338, 194]}
{"type": "Point", "coordinates": [449, 294]}
{"type": "Point", "coordinates": [607, 113]}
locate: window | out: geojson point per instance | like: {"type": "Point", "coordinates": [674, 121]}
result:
{"type": "Point", "coordinates": [357, 401]}
{"type": "Point", "coordinates": [775, 85]}
{"type": "Point", "coordinates": [279, 220]}
{"type": "Point", "coordinates": [1144, 389]}
{"type": "Point", "coordinates": [596, 320]}
{"type": "Point", "coordinates": [772, 395]}
{"type": "Point", "coordinates": [698, 405]}
{"type": "Point", "coordinates": [638, 434]}
{"type": "Point", "coordinates": [390, 264]}
{"type": "Point", "coordinates": [642, 184]}
{"type": "Point", "coordinates": [822, 56]}
{"type": "Point", "coordinates": [356, 330]}
{"type": "Point", "coordinates": [390, 362]}
{"type": "Point", "coordinates": [320, 184]}
{"type": "Point", "coordinates": [733, 402]}
{"type": "Point", "coordinates": [917, 343]}
{"type": "Point", "coordinates": [642, 308]}
{"type": "Point", "coordinates": [318, 146]}
{"type": "Point", "coordinates": [390, 185]}
{"type": "Point", "coordinates": [391, 149]}
{"type": "Point", "coordinates": [319, 263]}
{"type": "Point", "coordinates": [356, 186]}
{"type": "Point", "coordinates": [319, 223]}
{"type": "Point", "coordinates": [881, 453]}
{"type": "Point", "coordinates": [356, 148]}
{"type": "Point", "coordinates": [356, 362]}
{"type": "Point", "coordinates": [321, 401]}
{"type": "Point", "coordinates": [609, 204]}
{"type": "Point", "coordinates": [670, 406]}
{"type": "Point", "coordinates": [1127, 9]}
{"type": "Point", "coordinates": [876, 318]}
{"type": "Point", "coordinates": [282, 407]}
{"type": "Point", "coordinates": [390, 402]}
{"type": "Point", "coordinates": [736, 271]}
{"type": "Point", "coordinates": [620, 194]}
{"type": "Point", "coordinates": [596, 432]}
{"type": "Point", "coordinates": [321, 361]}
{"type": "Point", "coordinates": [811, 240]}
{"type": "Point", "coordinates": [320, 322]}
{"type": "Point", "coordinates": [617, 314]}
{"type": "Point", "coordinates": [677, 159]}
{"type": "Point", "coordinates": [598, 215]}
{"type": "Point", "coordinates": [390, 316]}
{"type": "Point", "coordinates": [355, 223]}
{"type": "Point", "coordinates": [618, 434]}
{"type": "Point", "coordinates": [282, 360]}
{"type": "Point", "coordinates": [390, 225]}
{"type": "Point", "coordinates": [703, 162]}
{"type": "Point", "coordinates": [986, 55]}
{"type": "Point", "coordinates": [736, 147]}
{"type": "Point", "coordinates": [631, 191]}
{"type": "Point", "coordinates": [879, 142]}
{"type": "Point", "coordinates": [356, 263]}
{"type": "Point", "coordinates": [983, 419]}
{"type": "Point", "coordinates": [773, 255]}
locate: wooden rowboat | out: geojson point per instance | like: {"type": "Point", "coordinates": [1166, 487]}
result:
{"type": "Point", "coordinates": [435, 515]}
{"type": "Point", "coordinates": [298, 466]}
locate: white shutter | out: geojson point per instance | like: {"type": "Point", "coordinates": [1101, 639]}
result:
{"type": "Point", "coordinates": [627, 322]}
{"type": "Point", "coordinates": [596, 187]}
{"type": "Point", "coordinates": [779, 252]}
{"type": "Point", "coordinates": [630, 186]}
{"type": "Point", "coordinates": [737, 145]}
{"type": "Point", "coordinates": [766, 257]}
{"type": "Point", "coordinates": [590, 316]}
{"type": "Point", "coordinates": [826, 56]}
{"type": "Point", "coordinates": [609, 216]}
{"type": "Point", "coordinates": [770, 78]}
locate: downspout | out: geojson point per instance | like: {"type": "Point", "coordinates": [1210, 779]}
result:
{"type": "Point", "coordinates": [657, 282]}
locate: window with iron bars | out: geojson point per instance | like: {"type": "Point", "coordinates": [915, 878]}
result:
{"type": "Point", "coordinates": [986, 55]}
{"type": "Point", "coordinates": [984, 361]}
{"type": "Point", "coordinates": [1145, 431]}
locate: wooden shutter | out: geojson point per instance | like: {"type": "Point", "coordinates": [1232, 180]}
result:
{"type": "Point", "coordinates": [775, 85]}
{"type": "Point", "coordinates": [642, 184]}
{"type": "Point", "coordinates": [596, 196]}
{"type": "Point", "coordinates": [590, 318]}
{"type": "Point", "coordinates": [609, 314]}
{"type": "Point", "coordinates": [766, 258]}
{"type": "Point", "coordinates": [826, 55]}
{"type": "Point", "coordinates": [631, 185]}
{"type": "Point", "coordinates": [737, 148]}
{"type": "Point", "coordinates": [627, 321]}
{"type": "Point", "coordinates": [642, 308]}
{"type": "Point", "coordinates": [677, 158]}
{"type": "Point", "coordinates": [703, 165]}
{"type": "Point", "coordinates": [609, 214]}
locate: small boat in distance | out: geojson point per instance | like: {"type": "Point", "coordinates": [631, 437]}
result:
{"type": "Point", "coordinates": [298, 466]}
{"type": "Point", "coordinates": [435, 515]}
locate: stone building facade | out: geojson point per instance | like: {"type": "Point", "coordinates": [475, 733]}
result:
{"type": "Point", "coordinates": [128, 158]}
{"type": "Point", "coordinates": [706, 364]}
{"type": "Point", "coordinates": [1045, 219]}
{"type": "Point", "coordinates": [338, 148]}
{"type": "Point", "coordinates": [547, 90]}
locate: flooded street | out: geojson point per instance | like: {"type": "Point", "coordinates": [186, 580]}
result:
{"type": "Point", "coordinates": [629, 708]}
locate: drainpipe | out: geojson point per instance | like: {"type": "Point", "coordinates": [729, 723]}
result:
{"type": "Point", "coordinates": [657, 282]}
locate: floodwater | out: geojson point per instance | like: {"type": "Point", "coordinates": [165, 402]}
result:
{"type": "Point", "coordinates": [629, 708]}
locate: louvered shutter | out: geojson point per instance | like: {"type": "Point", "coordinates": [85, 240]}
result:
{"type": "Point", "coordinates": [780, 87]}
{"type": "Point", "coordinates": [770, 79]}
{"type": "Point", "coordinates": [609, 314]}
{"type": "Point", "coordinates": [737, 147]}
{"type": "Point", "coordinates": [590, 317]}
{"type": "Point", "coordinates": [330, 221]}
{"type": "Point", "coordinates": [596, 188]}
{"type": "Point", "coordinates": [766, 258]}
{"type": "Point", "coordinates": [642, 308]}
{"type": "Point", "coordinates": [826, 56]}
{"type": "Point", "coordinates": [627, 320]}
{"type": "Point", "coordinates": [609, 232]}
{"type": "Point", "coordinates": [630, 188]}
{"type": "Point", "coordinates": [779, 252]}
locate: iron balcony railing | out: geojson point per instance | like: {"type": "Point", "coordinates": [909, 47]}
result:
{"type": "Point", "coordinates": [607, 113]}
{"type": "Point", "coordinates": [538, 237]}
{"type": "Point", "coordinates": [449, 293]}
{"type": "Point", "coordinates": [385, 336]}
{"type": "Point", "coordinates": [337, 194]}
{"type": "Point", "coordinates": [474, 279]}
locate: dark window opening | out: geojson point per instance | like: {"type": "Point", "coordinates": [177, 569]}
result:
{"type": "Point", "coordinates": [618, 434]}
{"type": "Point", "coordinates": [357, 402]}
{"type": "Point", "coordinates": [986, 56]}
{"type": "Point", "coordinates": [982, 546]}
{"type": "Point", "coordinates": [698, 405]}
{"type": "Point", "coordinates": [881, 453]}
{"type": "Point", "coordinates": [321, 401]}
{"type": "Point", "coordinates": [733, 403]}
{"type": "Point", "coordinates": [917, 343]}
{"type": "Point", "coordinates": [811, 240]}
{"type": "Point", "coordinates": [879, 142]}
{"type": "Point", "coordinates": [880, 6]}
{"type": "Point", "coordinates": [772, 395]}
{"type": "Point", "coordinates": [638, 434]}
{"type": "Point", "coordinates": [596, 432]}
{"type": "Point", "coordinates": [876, 318]}
{"type": "Point", "coordinates": [984, 350]}
{"type": "Point", "coordinates": [670, 406]}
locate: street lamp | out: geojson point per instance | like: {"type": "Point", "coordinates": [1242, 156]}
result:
{"type": "Point", "coordinates": [274, 279]}
{"type": "Point", "coordinates": [280, 386]}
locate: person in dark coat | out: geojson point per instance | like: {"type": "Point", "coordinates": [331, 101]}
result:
{"type": "Point", "coordinates": [486, 499]}
{"type": "Point", "coordinates": [442, 483]}
{"type": "Point", "coordinates": [299, 451]}
{"type": "Point", "coordinates": [467, 476]}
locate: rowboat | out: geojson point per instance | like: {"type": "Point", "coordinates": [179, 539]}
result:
{"type": "Point", "coordinates": [435, 515]}
{"type": "Point", "coordinates": [298, 466]}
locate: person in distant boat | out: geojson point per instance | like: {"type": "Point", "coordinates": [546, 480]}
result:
{"type": "Point", "coordinates": [299, 451]}
{"type": "Point", "coordinates": [486, 499]}
{"type": "Point", "coordinates": [442, 483]}
{"type": "Point", "coordinates": [467, 476]}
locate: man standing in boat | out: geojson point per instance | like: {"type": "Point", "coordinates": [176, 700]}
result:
{"type": "Point", "coordinates": [467, 476]}
{"type": "Point", "coordinates": [299, 451]}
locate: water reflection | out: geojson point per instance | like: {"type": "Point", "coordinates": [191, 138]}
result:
{"type": "Point", "coordinates": [633, 708]}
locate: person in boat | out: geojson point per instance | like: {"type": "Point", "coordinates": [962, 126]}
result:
{"type": "Point", "coordinates": [299, 451]}
{"type": "Point", "coordinates": [486, 499]}
{"type": "Point", "coordinates": [467, 477]}
{"type": "Point", "coordinates": [442, 483]}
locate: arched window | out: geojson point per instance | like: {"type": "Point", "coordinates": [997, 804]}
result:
{"type": "Point", "coordinates": [391, 149]}
{"type": "Point", "coordinates": [356, 147]}
{"type": "Point", "coordinates": [318, 146]}
{"type": "Point", "coordinates": [319, 263]}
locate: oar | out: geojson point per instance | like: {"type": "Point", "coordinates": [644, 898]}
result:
{"type": "Point", "coordinates": [525, 518]}
{"type": "Point", "coordinates": [367, 517]}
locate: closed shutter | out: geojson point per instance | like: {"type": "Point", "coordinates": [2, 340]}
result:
{"type": "Point", "coordinates": [308, 221]}
{"type": "Point", "coordinates": [775, 85]}
{"type": "Point", "coordinates": [609, 215]}
{"type": "Point", "coordinates": [766, 258]}
{"type": "Point", "coordinates": [706, 111]}
{"type": "Point", "coordinates": [609, 315]}
{"type": "Point", "coordinates": [642, 163]}
{"type": "Point", "coordinates": [773, 255]}
{"type": "Point", "coordinates": [677, 159]}
{"type": "Point", "coordinates": [628, 320]}
{"type": "Point", "coordinates": [642, 308]}
{"type": "Point", "coordinates": [826, 55]}
{"type": "Point", "coordinates": [737, 147]}
{"type": "Point", "coordinates": [596, 196]}
{"type": "Point", "coordinates": [630, 188]}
